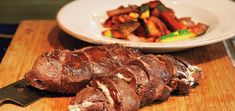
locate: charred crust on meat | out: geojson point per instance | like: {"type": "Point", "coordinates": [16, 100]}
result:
{"type": "Point", "coordinates": [112, 77]}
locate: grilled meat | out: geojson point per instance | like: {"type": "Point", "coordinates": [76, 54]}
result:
{"type": "Point", "coordinates": [69, 71]}
{"type": "Point", "coordinates": [117, 78]}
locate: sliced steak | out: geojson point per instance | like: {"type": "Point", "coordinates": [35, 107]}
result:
{"type": "Point", "coordinates": [121, 54]}
{"type": "Point", "coordinates": [90, 99]}
{"type": "Point", "coordinates": [102, 62]}
{"type": "Point", "coordinates": [76, 72]}
{"type": "Point", "coordinates": [137, 78]}
{"type": "Point", "coordinates": [124, 74]}
{"type": "Point", "coordinates": [150, 92]}
{"type": "Point", "coordinates": [185, 75]}
{"type": "Point", "coordinates": [46, 73]}
{"type": "Point", "coordinates": [124, 96]}
{"type": "Point", "coordinates": [69, 71]}
{"type": "Point", "coordinates": [170, 67]}
{"type": "Point", "coordinates": [158, 77]}
{"type": "Point", "coordinates": [121, 78]}
{"type": "Point", "coordinates": [157, 67]}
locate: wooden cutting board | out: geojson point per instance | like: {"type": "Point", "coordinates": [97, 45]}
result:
{"type": "Point", "coordinates": [216, 91]}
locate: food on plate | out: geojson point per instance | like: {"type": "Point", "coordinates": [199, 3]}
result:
{"type": "Point", "coordinates": [150, 22]}
{"type": "Point", "coordinates": [112, 77]}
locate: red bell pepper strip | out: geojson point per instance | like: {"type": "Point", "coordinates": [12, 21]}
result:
{"type": "Point", "coordinates": [168, 16]}
{"type": "Point", "coordinates": [172, 22]}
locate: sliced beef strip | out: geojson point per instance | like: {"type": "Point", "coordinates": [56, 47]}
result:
{"type": "Point", "coordinates": [181, 88]}
{"type": "Point", "coordinates": [46, 73]}
{"type": "Point", "coordinates": [123, 94]}
{"type": "Point", "coordinates": [137, 78]}
{"type": "Point", "coordinates": [158, 68]}
{"type": "Point", "coordinates": [55, 71]}
{"type": "Point", "coordinates": [168, 64]}
{"type": "Point", "coordinates": [90, 99]}
{"type": "Point", "coordinates": [124, 74]}
{"type": "Point", "coordinates": [170, 67]}
{"type": "Point", "coordinates": [179, 68]}
{"type": "Point", "coordinates": [182, 80]}
{"type": "Point", "coordinates": [158, 77]}
{"type": "Point", "coordinates": [121, 54]}
{"type": "Point", "coordinates": [102, 62]}
{"type": "Point", "coordinates": [76, 72]}
{"type": "Point", "coordinates": [108, 90]}
{"type": "Point", "coordinates": [150, 93]}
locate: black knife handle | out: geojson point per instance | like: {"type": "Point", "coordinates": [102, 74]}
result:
{"type": "Point", "coordinates": [21, 93]}
{"type": "Point", "coordinates": [2, 100]}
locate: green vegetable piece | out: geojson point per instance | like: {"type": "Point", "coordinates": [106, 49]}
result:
{"type": "Point", "coordinates": [144, 8]}
{"type": "Point", "coordinates": [107, 33]}
{"type": "Point", "coordinates": [144, 11]}
{"type": "Point", "coordinates": [177, 36]}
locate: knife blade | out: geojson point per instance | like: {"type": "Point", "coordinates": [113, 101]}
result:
{"type": "Point", "coordinates": [21, 93]}
{"type": "Point", "coordinates": [230, 48]}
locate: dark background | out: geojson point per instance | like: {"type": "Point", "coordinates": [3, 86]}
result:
{"type": "Point", "coordinates": [13, 11]}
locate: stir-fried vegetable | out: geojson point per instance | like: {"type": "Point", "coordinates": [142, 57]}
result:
{"type": "Point", "coordinates": [121, 30]}
{"type": "Point", "coordinates": [150, 22]}
{"type": "Point", "coordinates": [144, 11]}
{"type": "Point", "coordinates": [177, 36]}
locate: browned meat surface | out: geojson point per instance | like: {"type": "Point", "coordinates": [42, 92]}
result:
{"type": "Point", "coordinates": [47, 70]}
{"type": "Point", "coordinates": [187, 21]}
{"type": "Point", "coordinates": [117, 78]}
{"type": "Point", "coordinates": [182, 79]}
{"type": "Point", "coordinates": [76, 72]}
{"type": "Point", "coordinates": [148, 77]}
{"type": "Point", "coordinates": [123, 30]}
{"type": "Point", "coordinates": [69, 71]}
{"type": "Point", "coordinates": [90, 99]}
{"type": "Point", "coordinates": [157, 74]}
{"type": "Point", "coordinates": [122, 10]}
{"type": "Point", "coordinates": [137, 78]}
{"type": "Point", "coordinates": [199, 29]}
{"type": "Point", "coordinates": [101, 61]}
{"type": "Point", "coordinates": [122, 19]}
{"type": "Point", "coordinates": [121, 54]}
{"type": "Point", "coordinates": [124, 95]}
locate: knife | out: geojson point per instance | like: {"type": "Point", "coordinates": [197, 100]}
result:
{"type": "Point", "coordinates": [21, 93]}
{"type": "Point", "coordinates": [230, 48]}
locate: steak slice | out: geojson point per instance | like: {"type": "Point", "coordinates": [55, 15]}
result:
{"type": "Point", "coordinates": [101, 61]}
{"type": "Point", "coordinates": [124, 74]}
{"type": "Point", "coordinates": [137, 78]}
{"type": "Point", "coordinates": [157, 67]}
{"type": "Point", "coordinates": [76, 72]}
{"type": "Point", "coordinates": [157, 74]}
{"type": "Point", "coordinates": [121, 54]}
{"type": "Point", "coordinates": [90, 99]}
{"type": "Point", "coordinates": [68, 71]}
{"type": "Point", "coordinates": [150, 92]}
{"type": "Point", "coordinates": [46, 73]}
{"type": "Point", "coordinates": [184, 75]}
{"type": "Point", "coordinates": [123, 95]}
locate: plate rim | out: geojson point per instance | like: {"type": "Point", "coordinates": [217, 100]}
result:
{"type": "Point", "coordinates": [142, 45]}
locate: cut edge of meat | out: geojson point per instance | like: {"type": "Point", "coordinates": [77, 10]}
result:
{"type": "Point", "coordinates": [186, 76]}
{"type": "Point", "coordinates": [106, 92]}
{"type": "Point", "coordinates": [90, 99]}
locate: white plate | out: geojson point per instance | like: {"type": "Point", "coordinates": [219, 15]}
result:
{"type": "Point", "coordinates": [83, 19]}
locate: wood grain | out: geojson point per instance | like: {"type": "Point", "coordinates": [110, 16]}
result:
{"type": "Point", "coordinates": [216, 91]}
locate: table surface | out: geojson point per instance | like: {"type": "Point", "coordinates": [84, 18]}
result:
{"type": "Point", "coordinates": [216, 91]}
